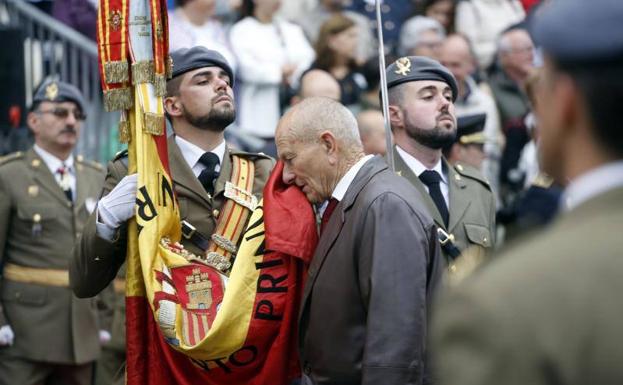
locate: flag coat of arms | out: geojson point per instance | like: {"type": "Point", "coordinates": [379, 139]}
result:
{"type": "Point", "coordinates": [189, 320]}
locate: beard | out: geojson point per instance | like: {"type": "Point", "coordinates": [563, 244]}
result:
{"type": "Point", "coordinates": [435, 138]}
{"type": "Point", "coordinates": [216, 120]}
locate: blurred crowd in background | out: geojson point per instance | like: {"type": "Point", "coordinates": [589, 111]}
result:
{"type": "Point", "coordinates": [283, 51]}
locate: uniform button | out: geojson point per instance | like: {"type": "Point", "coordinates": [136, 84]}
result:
{"type": "Point", "coordinates": [215, 213]}
{"type": "Point", "coordinates": [452, 268]}
{"type": "Point", "coordinates": [457, 177]}
{"type": "Point", "coordinates": [459, 167]}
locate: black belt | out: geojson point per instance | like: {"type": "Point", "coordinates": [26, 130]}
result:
{"type": "Point", "coordinates": [447, 243]}
{"type": "Point", "coordinates": [195, 237]}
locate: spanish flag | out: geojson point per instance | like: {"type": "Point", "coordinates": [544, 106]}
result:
{"type": "Point", "coordinates": [252, 336]}
{"type": "Point", "coordinates": [187, 321]}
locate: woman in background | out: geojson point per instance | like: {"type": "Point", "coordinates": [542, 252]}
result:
{"type": "Point", "coordinates": [336, 53]}
{"type": "Point", "coordinates": [272, 54]}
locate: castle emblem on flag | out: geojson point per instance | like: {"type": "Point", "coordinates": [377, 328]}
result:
{"type": "Point", "coordinates": [115, 19]}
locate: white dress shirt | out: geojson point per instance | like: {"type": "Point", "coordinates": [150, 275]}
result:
{"type": "Point", "coordinates": [347, 179]}
{"type": "Point", "coordinates": [591, 184]}
{"type": "Point", "coordinates": [418, 168]}
{"type": "Point", "coordinates": [192, 153]}
{"type": "Point", "coordinates": [342, 186]}
{"type": "Point", "coordinates": [54, 164]}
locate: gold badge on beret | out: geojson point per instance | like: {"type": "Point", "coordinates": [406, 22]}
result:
{"type": "Point", "coordinates": [404, 66]}
{"type": "Point", "coordinates": [51, 91]}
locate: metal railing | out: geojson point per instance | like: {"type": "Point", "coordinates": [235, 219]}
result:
{"type": "Point", "coordinates": [52, 49]}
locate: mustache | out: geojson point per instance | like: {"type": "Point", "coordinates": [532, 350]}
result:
{"type": "Point", "coordinates": [220, 95]}
{"type": "Point", "coordinates": [68, 130]}
{"type": "Point", "coordinates": [444, 115]}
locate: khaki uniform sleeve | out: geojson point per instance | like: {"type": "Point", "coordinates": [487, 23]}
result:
{"type": "Point", "coordinates": [96, 260]}
{"type": "Point", "coordinates": [5, 212]}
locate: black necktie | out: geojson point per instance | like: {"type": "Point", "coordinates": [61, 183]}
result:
{"type": "Point", "coordinates": [432, 179]}
{"type": "Point", "coordinates": [209, 174]}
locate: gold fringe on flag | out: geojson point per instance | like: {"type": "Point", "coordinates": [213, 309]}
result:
{"type": "Point", "coordinates": [118, 99]}
{"type": "Point", "coordinates": [125, 135]}
{"type": "Point", "coordinates": [160, 85]}
{"type": "Point", "coordinates": [154, 123]}
{"type": "Point", "coordinates": [116, 72]}
{"type": "Point", "coordinates": [143, 72]}
{"type": "Point", "coordinates": [169, 67]}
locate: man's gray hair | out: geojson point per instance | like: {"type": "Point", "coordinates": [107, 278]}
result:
{"type": "Point", "coordinates": [412, 30]}
{"type": "Point", "coordinates": [314, 115]}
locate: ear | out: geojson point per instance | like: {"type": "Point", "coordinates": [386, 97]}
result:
{"type": "Point", "coordinates": [396, 117]}
{"type": "Point", "coordinates": [329, 143]}
{"type": "Point", "coordinates": [569, 107]}
{"type": "Point", "coordinates": [32, 120]}
{"type": "Point", "coordinates": [172, 106]}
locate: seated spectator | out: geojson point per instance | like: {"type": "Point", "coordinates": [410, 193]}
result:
{"type": "Point", "coordinates": [324, 9]}
{"type": "Point", "coordinates": [272, 54]}
{"type": "Point", "coordinates": [456, 55]}
{"type": "Point", "coordinates": [440, 10]}
{"type": "Point", "coordinates": [421, 36]}
{"type": "Point", "coordinates": [192, 23]}
{"type": "Point", "coordinates": [317, 83]}
{"type": "Point", "coordinates": [336, 53]}
{"type": "Point", "coordinates": [482, 21]}
{"type": "Point", "coordinates": [506, 78]}
{"type": "Point", "coordinates": [372, 132]}
{"type": "Point", "coordinates": [394, 13]}
{"type": "Point", "coordinates": [370, 98]}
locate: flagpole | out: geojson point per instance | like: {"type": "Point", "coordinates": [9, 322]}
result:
{"type": "Point", "coordinates": [384, 100]}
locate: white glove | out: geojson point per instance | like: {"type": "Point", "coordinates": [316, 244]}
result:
{"type": "Point", "coordinates": [6, 335]}
{"type": "Point", "coordinates": [118, 206]}
{"type": "Point", "coordinates": [105, 336]}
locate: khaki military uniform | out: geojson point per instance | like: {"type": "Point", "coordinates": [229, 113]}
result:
{"type": "Point", "coordinates": [97, 261]}
{"type": "Point", "coordinates": [548, 311]}
{"type": "Point", "coordinates": [38, 227]}
{"type": "Point", "coordinates": [471, 208]}
{"type": "Point", "coordinates": [110, 368]}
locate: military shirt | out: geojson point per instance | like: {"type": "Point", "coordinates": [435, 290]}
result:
{"type": "Point", "coordinates": [38, 226]}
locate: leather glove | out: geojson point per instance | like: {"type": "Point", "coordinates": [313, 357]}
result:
{"type": "Point", "coordinates": [6, 335]}
{"type": "Point", "coordinates": [118, 206]}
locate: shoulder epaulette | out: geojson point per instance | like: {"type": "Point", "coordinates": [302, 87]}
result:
{"type": "Point", "coordinates": [80, 159]}
{"type": "Point", "coordinates": [120, 155]}
{"type": "Point", "coordinates": [471, 173]}
{"type": "Point", "coordinates": [11, 157]}
{"type": "Point", "coordinates": [250, 155]}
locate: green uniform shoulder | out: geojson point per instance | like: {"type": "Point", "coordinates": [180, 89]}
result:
{"type": "Point", "coordinates": [471, 173]}
{"type": "Point", "coordinates": [250, 155]}
{"type": "Point", "coordinates": [121, 155]}
{"type": "Point", "coordinates": [11, 157]}
{"type": "Point", "coordinates": [89, 163]}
